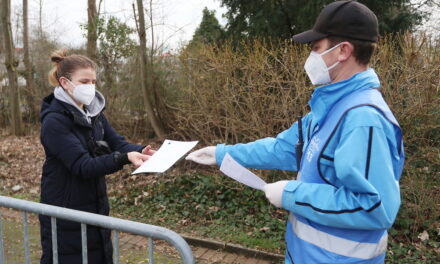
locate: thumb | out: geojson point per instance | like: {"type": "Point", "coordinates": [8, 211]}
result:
{"type": "Point", "coordinates": [190, 156]}
{"type": "Point", "coordinates": [137, 163]}
{"type": "Point", "coordinates": [146, 149]}
{"type": "Point", "coordinates": [143, 157]}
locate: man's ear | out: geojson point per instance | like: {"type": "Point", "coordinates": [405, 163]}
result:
{"type": "Point", "coordinates": [346, 51]}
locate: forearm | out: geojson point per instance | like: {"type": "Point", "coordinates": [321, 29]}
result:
{"type": "Point", "coordinates": [261, 154]}
{"type": "Point", "coordinates": [116, 141]}
{"type": "Point", "coordinates": [339, 207]}
{"type": "Point", "coordinates": [267, 153]}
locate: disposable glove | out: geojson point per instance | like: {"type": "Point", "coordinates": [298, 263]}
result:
{"type": "Point", "coordinates": [274, 192]}
{"type": "Point", "coordinates": [205, 156]}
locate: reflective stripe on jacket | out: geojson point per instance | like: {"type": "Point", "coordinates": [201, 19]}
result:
{"type": "Point", "coordinates": [360, 168]}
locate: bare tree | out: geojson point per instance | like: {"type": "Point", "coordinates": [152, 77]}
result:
{"type": "Point", "coordinates": [152, 33]}
{"type": "Point", "coordinates": [92, 33]}
{"type": "Point", "coordinates": [30, 87]}
{"type": "Point", "coordinates": [154, 120]}
{"type": "Point", "coordinates": [11, 66]}
{"type": "Point", "coordinates": [40, 19]}
{"type": "Point", "coordinates": [2, 43]}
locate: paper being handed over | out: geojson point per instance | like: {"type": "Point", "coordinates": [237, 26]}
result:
{"type": "Point", "coordinates": [239, 173]}
{"type": "Point", "coordinates": [168, 154]}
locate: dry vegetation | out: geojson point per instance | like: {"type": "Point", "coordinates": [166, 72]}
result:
{"type": "Point", "coordinates": [219, 94]}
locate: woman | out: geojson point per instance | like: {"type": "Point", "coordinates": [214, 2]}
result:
{"type": "Point", "coordinates": [81, 148]}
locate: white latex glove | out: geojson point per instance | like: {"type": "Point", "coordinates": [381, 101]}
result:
{"type": "Point", "coordinates": [205, 156]}
{"type": "Point", "coordinates": [274, 192]}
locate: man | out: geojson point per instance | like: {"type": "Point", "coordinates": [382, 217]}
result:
{"type": "Point", "coordinates": [347, 192]}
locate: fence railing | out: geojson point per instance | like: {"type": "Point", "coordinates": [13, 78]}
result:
{"type": "Point", "coordinates": [117, 225]}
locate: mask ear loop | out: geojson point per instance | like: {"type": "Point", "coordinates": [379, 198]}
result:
{"type": "Point", "coordinates": [329, 50]}
{"type": "Point", "coordinates": [70, 82]}
{"type": "Point", "coordinates": [334, 65]}
{"type": "Point", "coordinates": [332, 48]}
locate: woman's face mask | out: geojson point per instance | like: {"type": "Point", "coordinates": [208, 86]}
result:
{"type": "Point", "coordinates": [316, 68]}
{"type": "Point", "coordinates": [83, 93]}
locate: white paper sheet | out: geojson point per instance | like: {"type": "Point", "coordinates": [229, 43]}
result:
{"type": "Point", "coordinates": [168, 154]}
{"type": "Point", "coordinates": [239, 173]}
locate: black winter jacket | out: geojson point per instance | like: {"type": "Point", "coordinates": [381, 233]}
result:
{"type": "Point", "coordinates": [74, 177]}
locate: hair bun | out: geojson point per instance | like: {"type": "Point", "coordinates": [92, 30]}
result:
{"type": "Point", "coordinates": [58, 55]}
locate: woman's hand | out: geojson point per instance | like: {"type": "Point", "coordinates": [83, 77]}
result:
{"type": "Point", "coordinates": [137, 158]}
{"type": "Point", "coordinates": [148, 151]}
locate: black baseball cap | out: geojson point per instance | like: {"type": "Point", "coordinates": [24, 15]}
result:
{"type": "Point", "coordinates": [346, 19]}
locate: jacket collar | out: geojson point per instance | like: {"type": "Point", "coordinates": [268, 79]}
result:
{"type": "Point", "coordinates": [51, 104]}
{"type": "Point", "coordinates": [325, 97]}
{"type": "Point", "coordinates": [89, 111]}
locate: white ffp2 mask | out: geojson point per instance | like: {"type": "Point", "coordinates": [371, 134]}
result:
{"type": "Point", "coordinates": [316, 68]}
{"type": "Point", "coordinates": [83, 93]}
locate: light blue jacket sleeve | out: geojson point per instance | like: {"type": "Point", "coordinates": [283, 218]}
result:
{"type": "Point", "coordinates": [366, 194]}
{"type": "Point", "coordinates": [267, 153]}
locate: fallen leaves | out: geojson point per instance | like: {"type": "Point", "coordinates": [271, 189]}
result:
{"type": "Point", "coordinates": [423, 236]}
{"type": "Point", "coordinates": [21, 162]}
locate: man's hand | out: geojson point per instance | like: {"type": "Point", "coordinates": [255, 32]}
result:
{"type": "Point", "coordinates": [148, 151]}
{"type": "Point", "coordinates": [205, 156]}
{"type": "Point", "coordinates": [137, 158]}
{"type": "Point", "coordinates": [274, 192]}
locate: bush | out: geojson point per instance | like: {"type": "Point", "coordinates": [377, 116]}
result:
{"type": "Point", "coordinates": [231, 96]}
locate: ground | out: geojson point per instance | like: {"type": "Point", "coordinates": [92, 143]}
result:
{"type": "Point", "coordinates": [21, 160]}
{"type": "Point", "coordinates": [202, 206]}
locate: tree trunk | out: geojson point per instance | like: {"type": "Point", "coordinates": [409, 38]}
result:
{"type": "Point", "coordinates": [16, 124]}
{"type": "Point", "coordinates": [40, 19]}
{"type": "Point", "coordinates": [154, 120]}
{"type": "Point", "coordinates": [92, 34]}
{"type": "Point", "coordinates": [30, 90]}
{"type": "Point", "coordinates": [2, 43]}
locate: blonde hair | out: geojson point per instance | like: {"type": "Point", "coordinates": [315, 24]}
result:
{"type": "Point", "coordinates": [65, 65]}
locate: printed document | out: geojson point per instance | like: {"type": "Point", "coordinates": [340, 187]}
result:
{"type": "Point", "coordinates": [233, 169]}
{"type": "Point", "coordinates": [168, 154]}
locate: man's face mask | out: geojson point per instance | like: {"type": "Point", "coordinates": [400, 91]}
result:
{"type": "Point", "coordinates": [316, 68]}
{"type": "Point", "coordinates": [83, 93]}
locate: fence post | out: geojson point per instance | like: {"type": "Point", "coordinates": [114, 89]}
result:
{"type": "Point", "coordinates": [84, 242]}
{"type": "Point", "coordinates": [26, 238]}
{"type": "Point", "coordinates": [2, 253]}
{"type": "Point", "coordinates": [53, 222]}
{"type": "Point", "coordinates": [150, 250]}
{"type": "Point", "coordinates": [115, 247]}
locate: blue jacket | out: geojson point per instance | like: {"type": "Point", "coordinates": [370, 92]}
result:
{"type": "Point", "coordinates": [74, 177]}
{"type": "Point", "coordinates": [362, 165]}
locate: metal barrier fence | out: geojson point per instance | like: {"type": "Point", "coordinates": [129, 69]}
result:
{"type": "Point", "coordinates": [115, 224]}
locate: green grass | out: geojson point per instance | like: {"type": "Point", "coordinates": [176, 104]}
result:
{"type": "Point", "coordinates": [15, 254]}
{"type": "Point", "coordinates": [207, 207]}
{"type": "Point", "coordinates": [14, 243]}
{"type": "Point", "coordinates": [215, 207]}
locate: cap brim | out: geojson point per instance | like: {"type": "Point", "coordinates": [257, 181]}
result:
{"type": "Point", "coordinates": [308, 36]}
